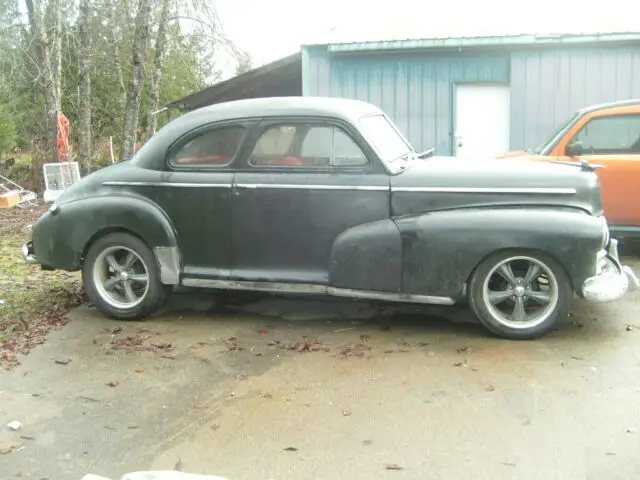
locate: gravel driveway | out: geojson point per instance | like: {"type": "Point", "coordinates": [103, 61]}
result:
{"type": "Point", "coordinates": [305, 389]}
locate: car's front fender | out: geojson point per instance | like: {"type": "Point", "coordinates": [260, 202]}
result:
{"type": "Point", "coordinates": [62, 235]}
{"type": "Point", "coordinates": [441, 249]}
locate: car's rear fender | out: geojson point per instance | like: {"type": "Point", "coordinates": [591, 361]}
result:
{"type": "Point", "coordinates": [62, 236]}
{"type": "Point", "coordinates": [441, 249]}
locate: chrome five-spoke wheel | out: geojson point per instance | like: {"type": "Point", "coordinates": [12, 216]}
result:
{"type": "Point", "coordinates": [121, 277]}
{"type": "Point", "coordinates": [519, 294]}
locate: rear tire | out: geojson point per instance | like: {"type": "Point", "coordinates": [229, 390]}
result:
{"type": "Point", "coordinates": [520, 294]}
{"type": "Point", "coordinates": [122, 279]}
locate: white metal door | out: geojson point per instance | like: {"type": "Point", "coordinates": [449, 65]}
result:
{"type": "Point", "coordinates": [482, 120]}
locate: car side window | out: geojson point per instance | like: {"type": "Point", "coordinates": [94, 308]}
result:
{"type": "Point", "coordinates": [215, 147]}
{"type": "Point", "coordinates": [345, 151]}
{"type": "Point", "coordinates": [307, 146]}
{"type": "Point", "coordinates": [610, 135]}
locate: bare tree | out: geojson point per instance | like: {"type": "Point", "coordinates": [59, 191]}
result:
{"type": "Point", "coordinates": [245, 64]}
{"type": "Point", "coordinates": [158, 67]}
{"type": "Point", "coordinates": [84, 85]}
{"type": "Point", "coordinates": [47, 42]}
{"type": "Point", "coordinates": [132, 110]}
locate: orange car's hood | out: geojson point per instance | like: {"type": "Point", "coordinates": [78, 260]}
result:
{"type": "Point", "coordinates": [521, 155]}
{"type": "Point", "coordinates": [513, 153]}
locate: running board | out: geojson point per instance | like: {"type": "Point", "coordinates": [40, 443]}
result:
{"type": "Point", "coordinates": [301, 288]}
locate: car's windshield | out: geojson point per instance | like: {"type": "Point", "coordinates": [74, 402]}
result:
{"type": "Point", "coordinates": [391, 146]}
{"type": "Point", "coordinates": [537, 150]}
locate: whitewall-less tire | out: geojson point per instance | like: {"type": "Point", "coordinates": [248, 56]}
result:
{"type": "Point", "coordinates": [121, 277]}
{"type": "Point", "coordinates": [520, 294]}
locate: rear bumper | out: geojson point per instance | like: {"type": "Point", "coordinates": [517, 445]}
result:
{"type": "Point", "coordinates": [612, 279]}
{"type": "Point", "coordinates": [28, 254]}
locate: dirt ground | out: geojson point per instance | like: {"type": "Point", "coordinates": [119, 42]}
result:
{"type": "Point", "coordinates": [293, 388]}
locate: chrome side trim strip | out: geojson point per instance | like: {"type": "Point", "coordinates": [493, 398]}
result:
{"type": "Point", "coordinates": [539, 191]}
{"type": "Point", "coordinates": [290, 186]}
{"type": "Point", "coordinates": [169, 260]}
{"type": "Point", "coordinates": [255, 286]}
{"type": "Point", "coordinates": [293, 186]}
{"type": "Point", "coordinates": [315, 289]}
{"type": "Point", "coordinates": [167, 184]}
{"type": "Point", "coordinates": [390, 297]}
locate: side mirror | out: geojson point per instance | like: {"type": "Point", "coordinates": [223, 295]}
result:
{"type": "Point", "coordinates": [574, 149]}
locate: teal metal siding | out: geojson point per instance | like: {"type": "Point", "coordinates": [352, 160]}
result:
{"type": "Point", "coordinates": [316, 72]}
{"type": "Point", "coordinates": [416, 90]}
{"type": "Point", "coordinates": [547, 86]}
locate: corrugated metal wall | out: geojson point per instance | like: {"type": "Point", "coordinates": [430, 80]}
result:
{"type": "Point", "coordinates": [547, 86]}
{"type": "Point", "coordinates": [416, 90]}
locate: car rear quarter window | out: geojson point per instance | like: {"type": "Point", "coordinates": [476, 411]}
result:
{"type": "Point", "coordinates": [307, 146]}
{"type": "Point", "coordinates": [214, 147]}
{"type": "Point", "coordinates": [610, 135]}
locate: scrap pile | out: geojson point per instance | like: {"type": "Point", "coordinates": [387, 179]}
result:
{"type": "Point", "coordinates": [12, 194]}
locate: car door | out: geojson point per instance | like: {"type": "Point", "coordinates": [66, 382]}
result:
{"type": "Point", "coordinates": [305, 182]}
{"type": "Point", "coordinates": [613, 141]}
{"type": "Point", "coordinates": [196, 194]}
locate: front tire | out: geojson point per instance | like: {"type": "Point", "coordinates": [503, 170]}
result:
{"type": "Point", "coordinates": [520, 295]}
{"type": "Point", "coordinates": [121, 277]}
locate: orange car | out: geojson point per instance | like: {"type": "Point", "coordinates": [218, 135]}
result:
{"type": "Point", "coordinates": [607, 135]}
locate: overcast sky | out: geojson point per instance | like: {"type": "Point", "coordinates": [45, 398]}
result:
{"type": "Point", "coordinates": [271, 29]}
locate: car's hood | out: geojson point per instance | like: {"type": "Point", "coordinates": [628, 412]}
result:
{"type": "Point", "coordinates": [451, 182]}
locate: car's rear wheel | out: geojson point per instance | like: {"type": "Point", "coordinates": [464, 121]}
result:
{"type": "Point", "coordinates": [519, 294]}
{"type": "Point", "coordinates": [121, 277]}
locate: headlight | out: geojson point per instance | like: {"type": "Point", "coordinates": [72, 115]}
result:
{"type": "Point", "coordinates": [606, 235]}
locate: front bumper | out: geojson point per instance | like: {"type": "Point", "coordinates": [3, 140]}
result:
{"type": "Point", "coordinates": [612, 279]}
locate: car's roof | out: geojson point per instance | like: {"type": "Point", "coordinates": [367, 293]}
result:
{"type": "Point", "coordinates": [602, 106]}
{"type": "Point", "coordinates": [340, 108]}
{"type": "Point", "coordinates": [284, 106]}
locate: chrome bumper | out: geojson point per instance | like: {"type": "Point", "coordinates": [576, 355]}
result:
{"type": "Point", "coordinates": [612, 279]}
{"type": "Point", "coordinates": [27, 249]}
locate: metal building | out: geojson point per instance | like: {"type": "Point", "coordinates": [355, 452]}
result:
{"type": "Point", "coordinates": [481, 94]}
{"type": "Point", "coordinates": [486, 94]}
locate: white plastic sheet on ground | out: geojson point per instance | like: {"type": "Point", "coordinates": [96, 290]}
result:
{"type": "Point", "coordinates": [157, 475]}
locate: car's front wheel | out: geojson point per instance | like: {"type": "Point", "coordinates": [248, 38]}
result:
{"type": "Point", "coordinates": [520, 295]}
{"type": "Point", "coordinates": [121, 277]}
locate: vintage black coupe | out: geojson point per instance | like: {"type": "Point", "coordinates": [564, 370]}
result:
{"type": "Point", "coordinates": [326, 196]}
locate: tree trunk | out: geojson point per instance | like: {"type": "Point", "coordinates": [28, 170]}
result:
{"type": "Point", "coordinates": [132, 110]}
{"type": "Point", "coordinates": [84, 86]}
{"type": "Point", "coordinates": [158, 68]}
{"type": "Point", "coordinates": [47, 46]}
